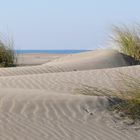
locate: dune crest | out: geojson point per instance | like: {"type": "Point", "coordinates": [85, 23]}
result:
{"type": "Point", "coordinates": [99, 59]}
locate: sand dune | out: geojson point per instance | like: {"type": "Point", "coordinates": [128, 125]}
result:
{"type": "Point", "coordinates": [74, 62]}
{"type": "Point", "coordinates": [40, 116]}
{"type": "Point", "coordinates": [67, 82]}
{"type": "Point", "coordinates": [90, 60]}
{"type": "Point", "coordinates": [42, 102]}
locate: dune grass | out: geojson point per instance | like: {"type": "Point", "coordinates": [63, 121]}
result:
{"type": "Point", "coordinates": [8, 56]}
{"type": "Point", "coordinates": [126, 100]}
{"type": "Point", "coordinates": [128, 40]}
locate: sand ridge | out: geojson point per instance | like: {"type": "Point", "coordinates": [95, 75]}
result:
{"type": "Point", "coordinates": [67, 82]}
{"type": "Point", "coordinates": [73, 62]}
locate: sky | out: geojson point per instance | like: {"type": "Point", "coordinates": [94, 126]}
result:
{"type": "Point", "coordinates": [64, 24]}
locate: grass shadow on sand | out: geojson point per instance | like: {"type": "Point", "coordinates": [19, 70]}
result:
{"type": "Point", "coordinates": [123, 101]}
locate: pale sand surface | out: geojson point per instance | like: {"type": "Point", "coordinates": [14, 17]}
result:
{"type": "Point", "coordinates": [41, 102]}
{"type": "Point", "coordinates": [36, 59]}
{"type": "Point", "coordinates": [72, 62]}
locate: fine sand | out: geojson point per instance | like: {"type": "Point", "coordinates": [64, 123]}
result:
{"type": "Point", "coordinates": [42, 102]}
{"type": "Point", "coordinates": [36, 59]}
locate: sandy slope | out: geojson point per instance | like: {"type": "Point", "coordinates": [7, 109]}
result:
{"type": "Point", "coordinates": [90, 60]}
{"type": "Point", "coordinates": [67, 82]}
{"type": "Point", "coordinates": [38, 115]}
{"type": "Point", "coordinates": [41, 102]}
{"type": "Point", "coordinates": [42, 106]}
{"type": "Point", "coordinates": [82, 61]}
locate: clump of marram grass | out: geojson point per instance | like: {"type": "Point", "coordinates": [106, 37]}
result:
{"type": "Point", "coordinates": [8, 56]}
{"type": "Point", "coordinates": [126, 100]}
{"type": "Point", "coordinates": [128, 40]}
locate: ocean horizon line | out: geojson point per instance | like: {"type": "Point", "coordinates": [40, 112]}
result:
{"type": "Point", "coordinates": [50, 51]}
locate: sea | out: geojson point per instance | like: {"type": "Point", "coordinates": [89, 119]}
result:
{"type": "Point", "coordinates": [50, 51]}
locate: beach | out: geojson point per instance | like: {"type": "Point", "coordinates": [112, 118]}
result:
{"type": "Point", "coordinates": [40, 98]}
{"type": "Point", "coordinates": [28, 59]}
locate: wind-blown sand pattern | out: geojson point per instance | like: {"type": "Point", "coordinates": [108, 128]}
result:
{"type": "Point", "coordinates": [40, 102]}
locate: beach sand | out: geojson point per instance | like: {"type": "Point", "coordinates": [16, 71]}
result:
{"type": "Point", "coordinates": [42, 102]}
{"type": "Point", "coordinates": [36, 59]}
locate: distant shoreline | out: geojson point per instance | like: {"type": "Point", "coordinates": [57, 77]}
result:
{"type": "Point", "coordinates": [49, 51]}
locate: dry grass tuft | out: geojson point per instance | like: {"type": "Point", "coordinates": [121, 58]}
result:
{"type": "Point", "coordinates": [128, 40]}
{"type": "Point", "coordinates": [8, 56]}
{"type": "Point", "coordinates": [126, 100]}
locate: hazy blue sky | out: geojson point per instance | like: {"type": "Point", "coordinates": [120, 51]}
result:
{"type": "Point", "coordinates": [64, 24]}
